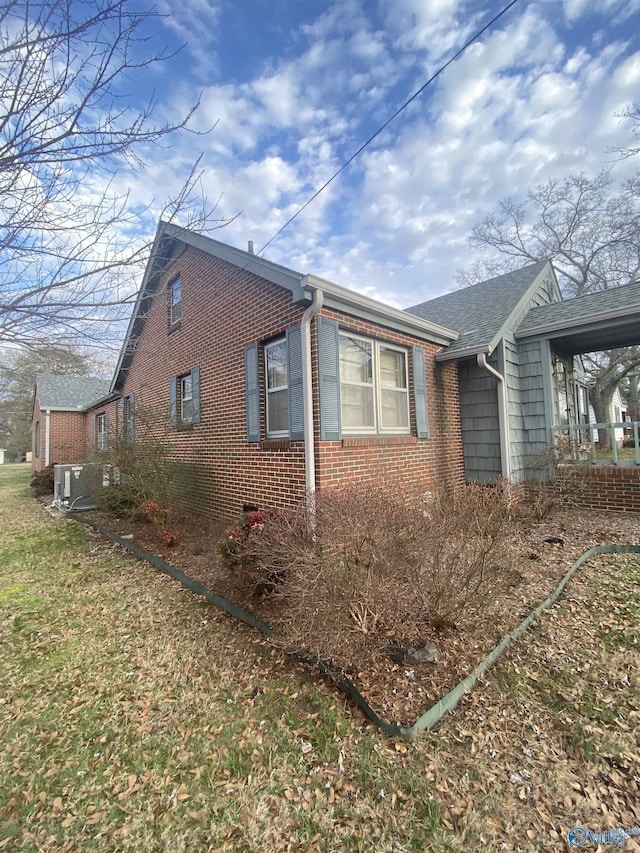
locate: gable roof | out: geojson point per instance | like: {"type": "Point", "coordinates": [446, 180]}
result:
{"type": "Point", "coordinates": [169, 241]}
{"type": "Point", "coordinates": [610, 318]}
{"type": "Point", "coordinates": [69, 393]}
{"type": "Point", "coordinates": [483, 312]}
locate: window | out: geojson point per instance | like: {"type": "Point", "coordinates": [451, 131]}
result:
{"type": "Point", "coordinates": [374, 394]}
{"type": "Point", "coordinates": [36, 439]}
{"type": "Point", "coordinates": [277, 383]}
{"type": "Point", "coordinates": [184, 398]}
{"type": "Point", "coordinates": [125, 418]}
{"type": "Point", "coordinates": [101, 431]}
{"type": "Point", "coordinates": [175, 302]}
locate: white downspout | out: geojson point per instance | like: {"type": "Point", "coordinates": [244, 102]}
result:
{"type": "Point", "coordinates": [502, 415]}
{"type": "Point", "coordinates": [47, 434]}
{"type": "Point", "coordinates": [307, 394]}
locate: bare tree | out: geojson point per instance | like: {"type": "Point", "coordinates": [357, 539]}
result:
{"type": "Point", "coordinates": [591, 233]}
{"type": "Point", "coordinates": [17, 380]}
{"type": "Point", "coordinates": [69, 239]}
{"type": "Point", "coordinates": [632, 114]}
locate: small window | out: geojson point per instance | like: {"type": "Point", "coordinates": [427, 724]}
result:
{"type": "Point", "coordinates": [101, 431]}
{"type": "Point", "coordinates": [36, 439]}
{"type": "Point", "coordinates": [175, 302]}
{"type": "Point", "coordinates": [186, 399]}
{"type": "Point", "coordinates": [277, 383]}
{"type": "Point", "coordinates": [126, 413]}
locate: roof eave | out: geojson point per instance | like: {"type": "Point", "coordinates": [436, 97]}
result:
{"type": "Point", "coordinates": [558, 326]}
{"type": "Point", "coordinates": [469, 352]}
{"type": "Point", "coordinates": [364, 307]}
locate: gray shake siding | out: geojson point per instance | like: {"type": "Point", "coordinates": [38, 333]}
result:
{"type": "Point", "coordinates": [480, 426]}
{"type": "Point", "coordinates": [534, 437]}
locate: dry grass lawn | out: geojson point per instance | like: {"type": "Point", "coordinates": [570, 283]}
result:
{"type": "Point", "coordinates": [133, 716]}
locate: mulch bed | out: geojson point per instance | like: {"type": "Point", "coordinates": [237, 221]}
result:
{"type": "Point", "coordinates": [543, 551]}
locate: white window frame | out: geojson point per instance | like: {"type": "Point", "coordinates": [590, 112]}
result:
{"type": "Point", "coordinates": [175, 305]}
{"type": "Point", "coordinates": [102, 435]}
{"type": "Point", "coordinates": [270, 391]}
{"type": "Point", "coordinates": [377, 428]}
{"type": "Point", "coordinates": [185, 397]}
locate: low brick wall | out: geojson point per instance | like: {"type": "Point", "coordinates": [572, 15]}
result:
{"type": "Point", "coordinates": [600, 487]}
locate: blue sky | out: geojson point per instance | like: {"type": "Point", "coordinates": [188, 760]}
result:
{"type": "Point", "coordinates": [297, 85]}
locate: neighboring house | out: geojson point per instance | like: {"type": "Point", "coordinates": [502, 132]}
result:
{"type": "Point", "coordinates": [266, 383]}
{"type": "Point", "coordinates": [59, 417]}
{"type": "Point", "coordinates": [617, 414]}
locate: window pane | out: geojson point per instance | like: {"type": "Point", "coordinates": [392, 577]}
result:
{"type": "Point", "coordinates": [395, 414]}
{"type": "Point", "coordinates": [186, 404]}
{"type": "Point", "coordinates": [393, 372]}
{"type": "Point", "coordinates": [277, 411]}
{"type": "Point", "coordinates": [357, 406]}
{"type": "Point", "coordinates": [355, 360]}
{"type": "Point", "coordinates": [176, 300]}
{"type": "Point", "coordinates": [277, 365]}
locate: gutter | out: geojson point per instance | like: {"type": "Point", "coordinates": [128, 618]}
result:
{"type": "Point", "coordinates": [307, 395]}
{"type": "Point", "coordinates": [47, 436]}
{"type": "Point", "coordinates": [502, 415]}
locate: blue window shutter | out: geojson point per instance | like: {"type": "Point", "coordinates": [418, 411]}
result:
{"type": "Point", "coordinates": [130, 425]}
{"type": "Point", "coordinates": [121, 432]}
{"type": "Point", "coordinates": [420, 393]}
{"type": "Point", "coordinates": [195, 395]}
{"type": "Point", "coordinates": [296, 396]}
{"type": "Point", "coordinates": [106, 427]}
{"type": "Point", "coordinates": [173, 404]}
{"type": "Point", "coordinates": [252, 387]}
{"type": "Point", "coordinates": [329, 380]}
{"type": "Point", "coordinates": [95, 431]}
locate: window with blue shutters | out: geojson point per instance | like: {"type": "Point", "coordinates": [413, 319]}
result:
{"type": "Point", "coordinates": [283, 388]}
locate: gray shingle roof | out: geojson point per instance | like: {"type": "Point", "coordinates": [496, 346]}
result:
{"type": "Point", "coordinates": [69, 392]}
{"type": "Point", "coordinates": [588, 308]}
{"type": "Point", "coordinates": [480, 312]}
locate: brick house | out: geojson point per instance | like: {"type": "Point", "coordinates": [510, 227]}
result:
{"type": "Point", "coordinates": [267, 382]}
{"type": "Point", "coordinates": [59, 419]}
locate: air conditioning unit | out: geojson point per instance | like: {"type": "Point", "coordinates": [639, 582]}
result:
{"type": "Point", "coordinates": [75, 486]}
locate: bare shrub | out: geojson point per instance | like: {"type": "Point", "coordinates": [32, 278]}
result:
{"type": "Point", "coordinates": [378, 561]}
{"type": "Point", "coordinates": [42, 482]}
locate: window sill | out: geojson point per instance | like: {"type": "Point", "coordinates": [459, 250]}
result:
{"type": "Point", "coordinates": [173, 327]}
{"type": "Point", "coordinates": [184, 427]}
{"type": "Point", "coordinates": [378, 440]}
{"type": "Point", "coordinates": [275, 444]}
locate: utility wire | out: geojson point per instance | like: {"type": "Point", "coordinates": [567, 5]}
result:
{"type": "Point", "coordinates": [388, 122]}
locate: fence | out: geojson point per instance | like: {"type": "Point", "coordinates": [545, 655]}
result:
{"type": "Point", "coordinates": [581, 443]}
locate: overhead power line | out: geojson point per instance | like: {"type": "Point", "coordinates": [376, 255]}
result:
{"type": "Point", "coordinates": [388, 122]}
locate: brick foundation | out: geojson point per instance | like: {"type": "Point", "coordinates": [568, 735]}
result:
{"type": "Point", "coordinates": [600, 487]}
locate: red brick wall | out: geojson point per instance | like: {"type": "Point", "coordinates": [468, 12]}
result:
{"type": "Point", "coordinates": [66, 437]}
{"type": "Point", "coordinates": [417, 463]}
{"type": "Point", "coordinates": [224, 308]}
{"type": "Point", "coordinates": [89, 420]}
{"type": "Point", "coordinates": [600, 487]}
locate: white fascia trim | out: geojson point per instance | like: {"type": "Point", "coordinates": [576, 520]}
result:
{"type": "Point", "coordinates": [470, 352]}
{"type": "Point", "coordinates": [559, 326]}
{"type": "Point", "coordinates": [351, 302]}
